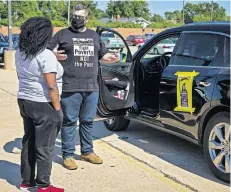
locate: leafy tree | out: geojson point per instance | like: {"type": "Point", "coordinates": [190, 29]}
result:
{"type": "Point", "coordinates": [202, 12]}
{"type": "Point", "coordinates": [135, 8]}
{"type": "Point", "coordinates": [169, 15]}
{"type": "Point", "coordinates": [157, 18]}
{"type": "Point", "coordinates": [3, 10]}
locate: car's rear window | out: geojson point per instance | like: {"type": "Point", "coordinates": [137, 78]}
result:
{"type": "Point", "coordinates": [139, 36]}
{"type": "Point", "coordinates": [108, 35]}
{"type": "Point", "coordinates": [200, 49]}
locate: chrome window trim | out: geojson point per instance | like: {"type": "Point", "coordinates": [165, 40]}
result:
{"type": "Point", "coordinates": [207, 32]}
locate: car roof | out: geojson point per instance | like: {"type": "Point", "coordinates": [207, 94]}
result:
{"type": "Point", "coordinates": [219, 27]}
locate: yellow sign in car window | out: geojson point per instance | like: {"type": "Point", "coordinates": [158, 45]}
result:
{"type": "Point", "coordinates": [184, 91]}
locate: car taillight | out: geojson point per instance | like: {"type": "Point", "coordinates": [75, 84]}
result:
{"type": "Point", "coordinates": [165, 47]}
{"type": "Point", "coordinates": [108, 42]}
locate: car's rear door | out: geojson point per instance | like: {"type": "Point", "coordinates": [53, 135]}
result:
{"type": "Point", "coordinates": [187, 84]}
{"type": "Point", "coordinates": [116, 81]}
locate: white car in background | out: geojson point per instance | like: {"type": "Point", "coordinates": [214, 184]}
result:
{"type": "Point", "coordinates": [167, 45]}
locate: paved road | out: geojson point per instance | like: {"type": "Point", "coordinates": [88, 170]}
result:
{"type": "Point", "coordinates": [140, 159]}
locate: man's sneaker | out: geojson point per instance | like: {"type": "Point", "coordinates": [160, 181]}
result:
{"type": "Point", "coordinates": [70, 163]}
{"type": "Point", "coordinates": [25, 187]}
{"type": "Point", "coordinates": [50, 189]}
{"type": "Point", "coordinates": [91, 158]}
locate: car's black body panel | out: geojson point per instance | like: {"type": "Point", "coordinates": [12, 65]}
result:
{"type": "Point", "coordinates": [210, 87]}
{"type": "Point", "coordinates": [202, 95]}
{"type": "Point", "coordinates": [186, 94]}
{"type": "Point", "coordinates": [159, 126]}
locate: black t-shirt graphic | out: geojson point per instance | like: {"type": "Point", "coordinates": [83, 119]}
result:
{"type": "Point", "coordinates": [84, 50]}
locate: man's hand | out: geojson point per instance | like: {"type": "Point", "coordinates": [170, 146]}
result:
{"type": "Point", "coordinates": [60, 55]}
{"type": "Point", "coordinates": [111, 58]}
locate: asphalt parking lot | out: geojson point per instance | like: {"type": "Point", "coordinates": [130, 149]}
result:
{"type": "Point", "coordinates": [139, 159]}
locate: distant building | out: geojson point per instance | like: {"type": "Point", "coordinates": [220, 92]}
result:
{"type": "Point", "coordinates": [144, 23]}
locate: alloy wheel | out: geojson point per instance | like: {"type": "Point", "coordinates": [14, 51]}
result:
{"type": "Point", "coordinates": [110, 121]}
{"type": "Point", "coordinates": [219, 146]}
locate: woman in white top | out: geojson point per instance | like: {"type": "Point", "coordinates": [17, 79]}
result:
{"type": "Point", "coordinates": [40, 86]}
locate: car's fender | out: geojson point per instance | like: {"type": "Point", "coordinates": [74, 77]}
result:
{"type": "Point", "coordinates": [211, 111]}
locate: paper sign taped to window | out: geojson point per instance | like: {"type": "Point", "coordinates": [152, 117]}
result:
{"type": "Point", "coordinates": [184, 91]}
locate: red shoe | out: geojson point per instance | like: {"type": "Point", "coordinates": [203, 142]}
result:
{"type": "Point", "coordinates": [25, 187]}
{"type": "Point", "coordinates": [50, 189]}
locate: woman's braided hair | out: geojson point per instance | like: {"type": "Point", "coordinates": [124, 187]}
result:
{"type": "Point", "coordinates": [35, 34]}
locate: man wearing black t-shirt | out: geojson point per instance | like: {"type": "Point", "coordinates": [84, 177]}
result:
{"type": "Point", "coordinates": [79, 51]}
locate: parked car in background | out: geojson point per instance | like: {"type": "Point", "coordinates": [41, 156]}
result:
{"type": "Point", "coordinates": [111, 41]}
{"type": "Point", "coordinates": [134, 40]}
{"type": "Point", "coordinates": [166, 45]}
{"type": "Point", "coordinates": [149, 36]}
{"type": "Point", "coordinates": [3, 46]}
{"type": "Point", "coordinates": [184, 92]}
{"type": "Point", "coordinates": [15, 39]}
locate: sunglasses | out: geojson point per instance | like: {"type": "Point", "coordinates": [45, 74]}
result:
{"type": "Point", "coordinates": [79, 17]}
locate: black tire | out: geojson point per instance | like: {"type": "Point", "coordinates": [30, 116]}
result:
{"type": "Point", "coordinates": [119, 124]}
{"type": "Point", "coordinates": [221, 117]}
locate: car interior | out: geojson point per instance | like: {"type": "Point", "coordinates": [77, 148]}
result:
{"type": "Point", "coordinates": [148, 78]}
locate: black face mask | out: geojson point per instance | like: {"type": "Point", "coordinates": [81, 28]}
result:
{"type": "Point", "coordinates": [77, 24]}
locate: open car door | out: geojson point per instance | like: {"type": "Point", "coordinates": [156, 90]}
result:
{"type": "Point", "coordinates": [115, 79]}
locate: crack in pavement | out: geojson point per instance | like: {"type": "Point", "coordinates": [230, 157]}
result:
{"type": "Point", "coordinates": [8, 92]}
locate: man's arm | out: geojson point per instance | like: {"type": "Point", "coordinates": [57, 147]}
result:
{"type": "Point", "coordinates": [106, 57]}
{"type": "Point", "coordinates": [111, 58]}
{"type": "Point", "coordinates": [54, 44]}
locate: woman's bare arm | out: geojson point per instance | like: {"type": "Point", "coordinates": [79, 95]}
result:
{"type": "Point", "coordinates": [50, 79]}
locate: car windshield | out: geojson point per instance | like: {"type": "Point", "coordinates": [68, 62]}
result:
{"type": "Point", "coordinates": [169, 41]}
{"type": "Point", "coordinates": [2, 39]}
{"type": "Point", "coordinates": [139, 37]}
{"type": "Point", "coordinates": [108, 35]}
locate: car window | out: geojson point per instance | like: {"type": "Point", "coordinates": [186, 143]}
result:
{"type": "Point", "coordinates": [108, 35]}
{"type": "Point", "coordinates": [199, 49]}
{"type": "Point", "coordinates": [163, 46]}
{"type": "Point", "coordinates": [129, 38]}
{"type": "Point", "coordinates": [138, 36]}
{"type": "Point", "coordinates": [227, 52]}
{"type": "Point", "coordinates": [115, 44]}
{"type": "Point", "coordinates": [2, 39]}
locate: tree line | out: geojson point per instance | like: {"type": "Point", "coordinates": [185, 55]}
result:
{"type": "Point", "coordinates": [57, 11]}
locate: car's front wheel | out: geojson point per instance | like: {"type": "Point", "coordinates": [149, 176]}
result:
{"type": "Point", "coordinates": [117, 123]}
{"type": "Point", "coordinates": [217, 145]}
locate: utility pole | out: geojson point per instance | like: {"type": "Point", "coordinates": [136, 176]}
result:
{"type": "Point", "coordinates": [68, 12]}
{"type": "Point", "coordinates": [9, 25]}
{"type": "Point", "coordinates": [183, 12]}
{"type": "Point", "coordinates": [211, 16]}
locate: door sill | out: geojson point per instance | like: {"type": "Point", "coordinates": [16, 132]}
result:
{"type": "Point", "coordinates": [98, 118]}
{"type": "Point", "coordinates": [156, 125]}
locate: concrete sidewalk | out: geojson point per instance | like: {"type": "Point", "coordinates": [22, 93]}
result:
{"type": "Point", "coordinates": [118, 173]}
{"type": "Point", "coordinates": [140, 159]}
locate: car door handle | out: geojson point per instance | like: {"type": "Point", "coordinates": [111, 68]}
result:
{"type": "Point", "coordinates": [203, 83]}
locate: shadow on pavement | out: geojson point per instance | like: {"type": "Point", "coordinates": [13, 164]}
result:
{"type": "Point", "coordinates": [169, 148]}
{"type": "Point", "coordinates": [10, 172]}
{"type": "Point", "coordinates": [9, 146]}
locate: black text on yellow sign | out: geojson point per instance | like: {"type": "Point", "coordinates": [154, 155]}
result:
{"type": "Point", "coordinates": [184, 91]}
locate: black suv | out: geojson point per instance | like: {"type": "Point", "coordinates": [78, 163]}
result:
{"type": "Point", "coordinates": [184, 90]}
